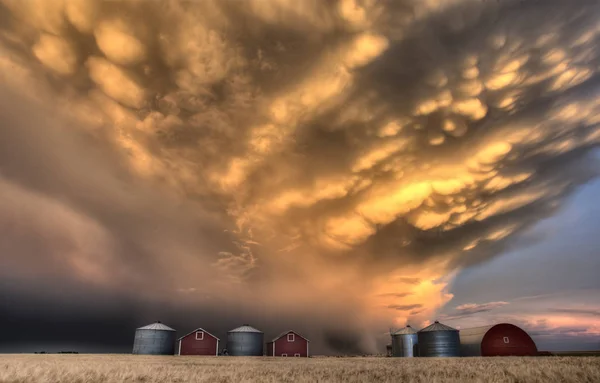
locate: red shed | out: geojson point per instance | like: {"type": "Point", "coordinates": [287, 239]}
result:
{"type": "Point", "coordinates": [288, 343]}
{"type": "Point", "coordinates": [198, 342]}
{"type": "Point", "coordinates": [502, 339]}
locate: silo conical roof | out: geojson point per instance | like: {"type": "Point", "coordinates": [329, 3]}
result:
{"type": "Point", "coordinates": [405, 331]}
{"type": "Point", "coordinates": [245, 328]}
{"type": "Point", "coordinates": [156, 326]}
{"type": "Point", "coordinates": [437, 326]}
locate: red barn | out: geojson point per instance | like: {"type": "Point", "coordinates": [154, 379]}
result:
{"type": "Point", "coordinates": [502, 339]}
{"type": "Point", "coordinates": [198, 342]}
{"type": "Point", "coordinates": [288, 343]}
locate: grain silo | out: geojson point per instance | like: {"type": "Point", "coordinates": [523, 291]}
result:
{"type": "Point", "coordinates": [154, 339]}
{"type": "Point", "coordinates": [404, 342]}
{"type": "Point", "coordinates": [245, 341]}
{"type": "Point", "coordinates": [438, 340]}
{"type": "Point", "coordinates": [503, 339]}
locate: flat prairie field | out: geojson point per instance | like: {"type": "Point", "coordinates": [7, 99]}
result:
{"type": "Point", "coordinates": [164, 369]}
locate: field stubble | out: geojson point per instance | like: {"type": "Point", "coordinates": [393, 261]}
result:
{"type": "Point", "coordinates": [163, 369]}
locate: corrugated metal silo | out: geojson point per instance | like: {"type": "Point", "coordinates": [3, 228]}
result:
{"type": "Point", "coordinates": [245, 341]}
{"type": "Point", "coordinates": [154, 339]}
{"type": "Point", "coordinates": [438, 340]}
{"type": "Point", "coordinates": [404, 342]}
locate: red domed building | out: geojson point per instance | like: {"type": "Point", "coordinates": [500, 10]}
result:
{"type": "Point", "coordinates": [503, 339]}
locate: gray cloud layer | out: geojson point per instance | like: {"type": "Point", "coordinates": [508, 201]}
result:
{"type": "Point", "coordinates": [471, 309]}
{"type": "Point", "coordinates": [595, 313]}
{"type": "Point", "coordinates": [283, 156]}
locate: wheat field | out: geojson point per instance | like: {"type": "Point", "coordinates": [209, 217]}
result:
{"type": "Point", "coordinates": [164, 369]}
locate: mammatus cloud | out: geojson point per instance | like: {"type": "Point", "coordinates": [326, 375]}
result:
{"type": "Point", "coordinates": [346, 156]}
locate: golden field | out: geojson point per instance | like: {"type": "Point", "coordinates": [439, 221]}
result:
{"type": "Point", "coordinates": [163, 369]}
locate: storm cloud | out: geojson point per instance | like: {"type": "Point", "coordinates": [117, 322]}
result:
{"type": "Point", "coordinates": [289, 162]}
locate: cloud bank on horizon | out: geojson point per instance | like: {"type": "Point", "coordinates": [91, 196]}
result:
{"type": "Point", "coordinates": [319, 158]}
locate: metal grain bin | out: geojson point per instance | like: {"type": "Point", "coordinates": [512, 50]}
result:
{"type": "Point", "coordinates": [438, 340]}
{"type": "Point", "coordinates": [245, 341]}
{"type": "Point", "coordinates": [154, 339]}
{"type": "Point", "coordinates": [404, 343]}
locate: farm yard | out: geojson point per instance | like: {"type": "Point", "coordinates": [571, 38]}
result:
{"type": "Point", "coordinates": [158, 369]}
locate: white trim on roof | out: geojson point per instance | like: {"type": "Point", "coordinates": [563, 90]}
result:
{"type": "Point", "coordinates": [198, 329]}
{"type": "Point", "coordinates": [287, 332]}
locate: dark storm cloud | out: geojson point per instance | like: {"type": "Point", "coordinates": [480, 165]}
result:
{"type": "Point", "coordinates": [344, 343]}
{"type": "Point", "coordinates": [130, 222]}
{"type": "Point", "coordinates": [421, 52]}
{"type": "Point", "coordinates": [282, 158]}
{"type": "Point", "coordinates": [38, 327]}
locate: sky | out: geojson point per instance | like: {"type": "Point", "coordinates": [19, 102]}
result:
{"type": "Point", "coordinates": [548, 286]}
{"type": "Point", "coordinates": [338, 168]}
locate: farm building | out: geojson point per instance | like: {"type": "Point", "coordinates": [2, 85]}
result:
{"type": "Point", "coordinates": [502, 339]}
{"type": "Point", "coordinates": [288, 343]}
{"type": "Point", "coordinates": [438, 340]}
{"type": "Point", "coordinates": [154, 339]}
{"type": "Point", "coordinates": [405, 343]}
{"type": "Point", "coordinates": [198, 342]}
{"type": "Point", "coordinates": [245, 341]}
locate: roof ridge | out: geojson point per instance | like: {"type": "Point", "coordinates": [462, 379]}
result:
{"type": "Point", "coordinates": [193, 331]}
{"type": "Point", "coordinates": [287, 332]}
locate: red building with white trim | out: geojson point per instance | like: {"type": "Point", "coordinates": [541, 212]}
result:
{"type": "Point", "coordinates": [288, 343]}
{"type": "Point", "coordinates": [502, 339]}
{"type": "Point", "coordinates": [198, 342]}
